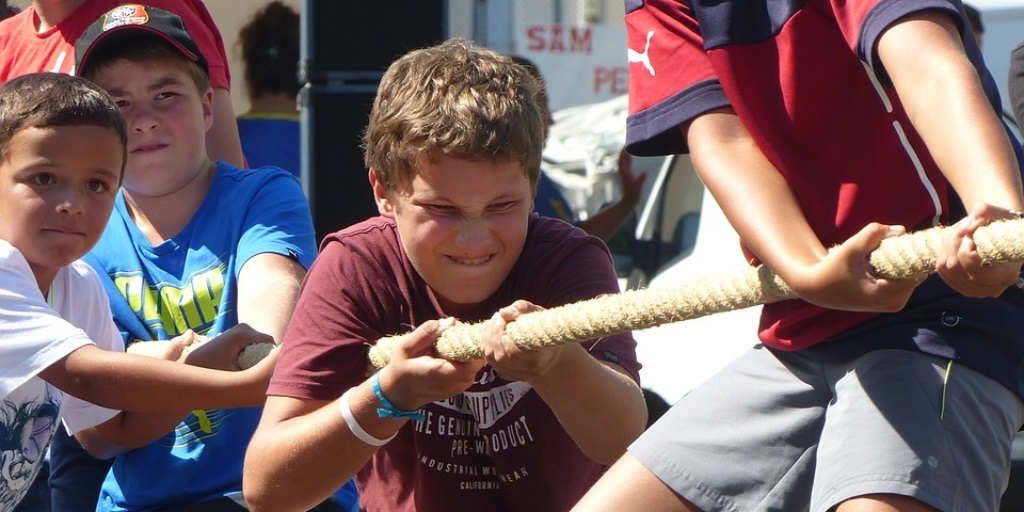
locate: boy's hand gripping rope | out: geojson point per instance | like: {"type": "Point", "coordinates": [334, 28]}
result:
{"type": "Point", "coordinates": [902, 257]}
{"type": "Point", "coordinates": [248, 358]}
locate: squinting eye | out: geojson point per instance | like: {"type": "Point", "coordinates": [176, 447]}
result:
{"type": "Point", "coordinates": [500, 207]}
{"type": "Point", "coordinates": [43, 179]}
{"type": "Point", "coordinates": [441, 208]}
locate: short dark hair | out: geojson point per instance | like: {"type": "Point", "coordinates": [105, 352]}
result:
{"type": "Point", "coordinates": [42, 100]}
{"type": "Point", "coordinates": [270, 49]}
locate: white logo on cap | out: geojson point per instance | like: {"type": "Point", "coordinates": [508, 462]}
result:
{"type": "Point", "coordinates": [126, 15]}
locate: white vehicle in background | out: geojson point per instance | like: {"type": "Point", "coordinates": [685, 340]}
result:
{"type": "Point", "coordinates": [682, 235]}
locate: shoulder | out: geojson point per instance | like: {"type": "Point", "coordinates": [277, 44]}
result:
{"type": "Point", "coordinates": [11, 259]}
{"type": "Point", "coordinates": [186, 9]}
{"type": "Point", "coordinates": [265, 172]}
{"type": "Point", "coordinates": [81, 285]}
{"type": "Point", "coordinates": [552, 245]}
{"type": "Point", "coordinates": [376, 234]}
{"type": "Point", "coordinates": [548, 231]}
{"type": "Point", "coordinates": [558, 257]}
{"type": "Point", "coordinates": [368, 250]}
{"type": "Point", "coordinates": [7, 251]}
{"type": "Point", "coordinates": [79, 296]}
{"type": "Point", "coordinates": [254, 178]}
{"type": "Point", "coordinates": [82, 276]}
{"type": "Point", "coordinates": [264, 190]}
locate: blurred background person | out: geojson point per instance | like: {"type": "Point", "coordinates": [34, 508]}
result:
{"type": "Point", "coordinates": [549, 201]}
{"type": "Point", "coordinates": [269, 131]}
{"type": "Point", "coordinates": [6, 11]}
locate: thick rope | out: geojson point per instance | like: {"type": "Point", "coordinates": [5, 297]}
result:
{"type": "Point", "coordinates": [903, 257]}
{"type": "Point", "coordinates": [248, 358]}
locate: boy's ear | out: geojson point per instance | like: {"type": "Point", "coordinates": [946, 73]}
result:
{"type": "Point", "coordinates": [207, 100]}
{"type": "Point", "coordinates": [380, 196]}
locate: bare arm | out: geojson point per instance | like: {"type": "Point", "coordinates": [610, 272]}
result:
{"type": "Point", "coordinates": [133, 429]}
{"type": "Point", "coordinates": [605, 223]}
{"type": "Point", "coordinates": [118, 380]}
{"type": "Point", "coordinates": [762, 207]}
{"type": "Point", "coordinates": [283, 464]}
{"type": "Point", "coordinates": [268, 286]}
{"type": "Point", "coordinates": [222, 141]}
{"type": "Point", "coordinates": [598, 404]}
{"type": "Point", "coordinates": [964, 136]}
{"type": "Point", "coordinates": [127, 431]}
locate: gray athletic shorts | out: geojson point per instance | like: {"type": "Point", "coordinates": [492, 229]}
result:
{"type": "Point", "coordinates": [776, 431]}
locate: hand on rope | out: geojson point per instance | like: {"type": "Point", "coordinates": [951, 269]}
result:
{"type": "Point", "coordinates": [960, 261]}
{"type": "Point", "coordinates": [417, 376]}
{"type": "Point", "coordinates": [843, 279]}
{"type": "Point", "coordinates": [238, 348]}
{"type": "Point", "coordinates": [910, 256]}
{"type": "Point", "coordinates": [510, 360]}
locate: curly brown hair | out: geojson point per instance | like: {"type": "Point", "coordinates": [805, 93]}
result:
{"type": "Point", "coordinates": [455, 99]}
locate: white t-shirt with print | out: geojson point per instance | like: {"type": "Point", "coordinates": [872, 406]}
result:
{"type": "Point", "coordinates": [35, 334]}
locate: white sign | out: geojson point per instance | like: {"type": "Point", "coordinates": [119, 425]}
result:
{"type": "Point", "coordinates": [580, 63]}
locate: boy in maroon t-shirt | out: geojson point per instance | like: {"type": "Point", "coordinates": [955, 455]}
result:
{"type": "Point", "coordinates": [453, 146]}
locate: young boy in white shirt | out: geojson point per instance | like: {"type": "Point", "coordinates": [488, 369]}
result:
{"type": "Point", "coordinates": [62, 156]}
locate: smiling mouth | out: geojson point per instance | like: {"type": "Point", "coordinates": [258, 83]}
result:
{"type": "Point", "coordinates": [472, 261]}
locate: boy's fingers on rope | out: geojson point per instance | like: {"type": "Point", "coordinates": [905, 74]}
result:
{"type": "Point", "coordinates": [961, 264]}
{"type": "Point", "coordinates": [844, 278]}
{"type": "Point", "coordinates": [421, 340]}
{"type": "Point", "coordinates": [510, 360]}
{"type": "Point", "coordinates": [910, 256]}
{"type": "Point", "coordinates": [415, 375]}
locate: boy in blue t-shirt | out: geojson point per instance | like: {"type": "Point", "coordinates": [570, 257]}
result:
{"type": "Point", "coordinates": [192, 244]}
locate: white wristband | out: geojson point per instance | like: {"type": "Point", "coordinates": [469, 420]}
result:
{"type": "Point", "coordinates": [353, 425]}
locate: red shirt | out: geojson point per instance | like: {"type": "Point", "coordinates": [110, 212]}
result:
{"type": "Point", "coordinates": [803, 79]}
{"type": "Point", "coordinates": [23, 51]}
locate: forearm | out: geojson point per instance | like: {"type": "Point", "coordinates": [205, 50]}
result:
{"type": "Point", "coordinates": [268, 287]}
{"type": "Point", "coordinates": [945, 102]}
{"type": "Point", "coordinates": [605, 223]}
{"type": "Point", "coordinates": [138, 383]}
{"type": "Point", "coordinates": [601, 408]}
{"type": "Point", "coordinates": [284, 467]}
{"type": "Point", "coordinates": [754, 195]}
{"type": "Point", "coordinates": [127, 431]}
